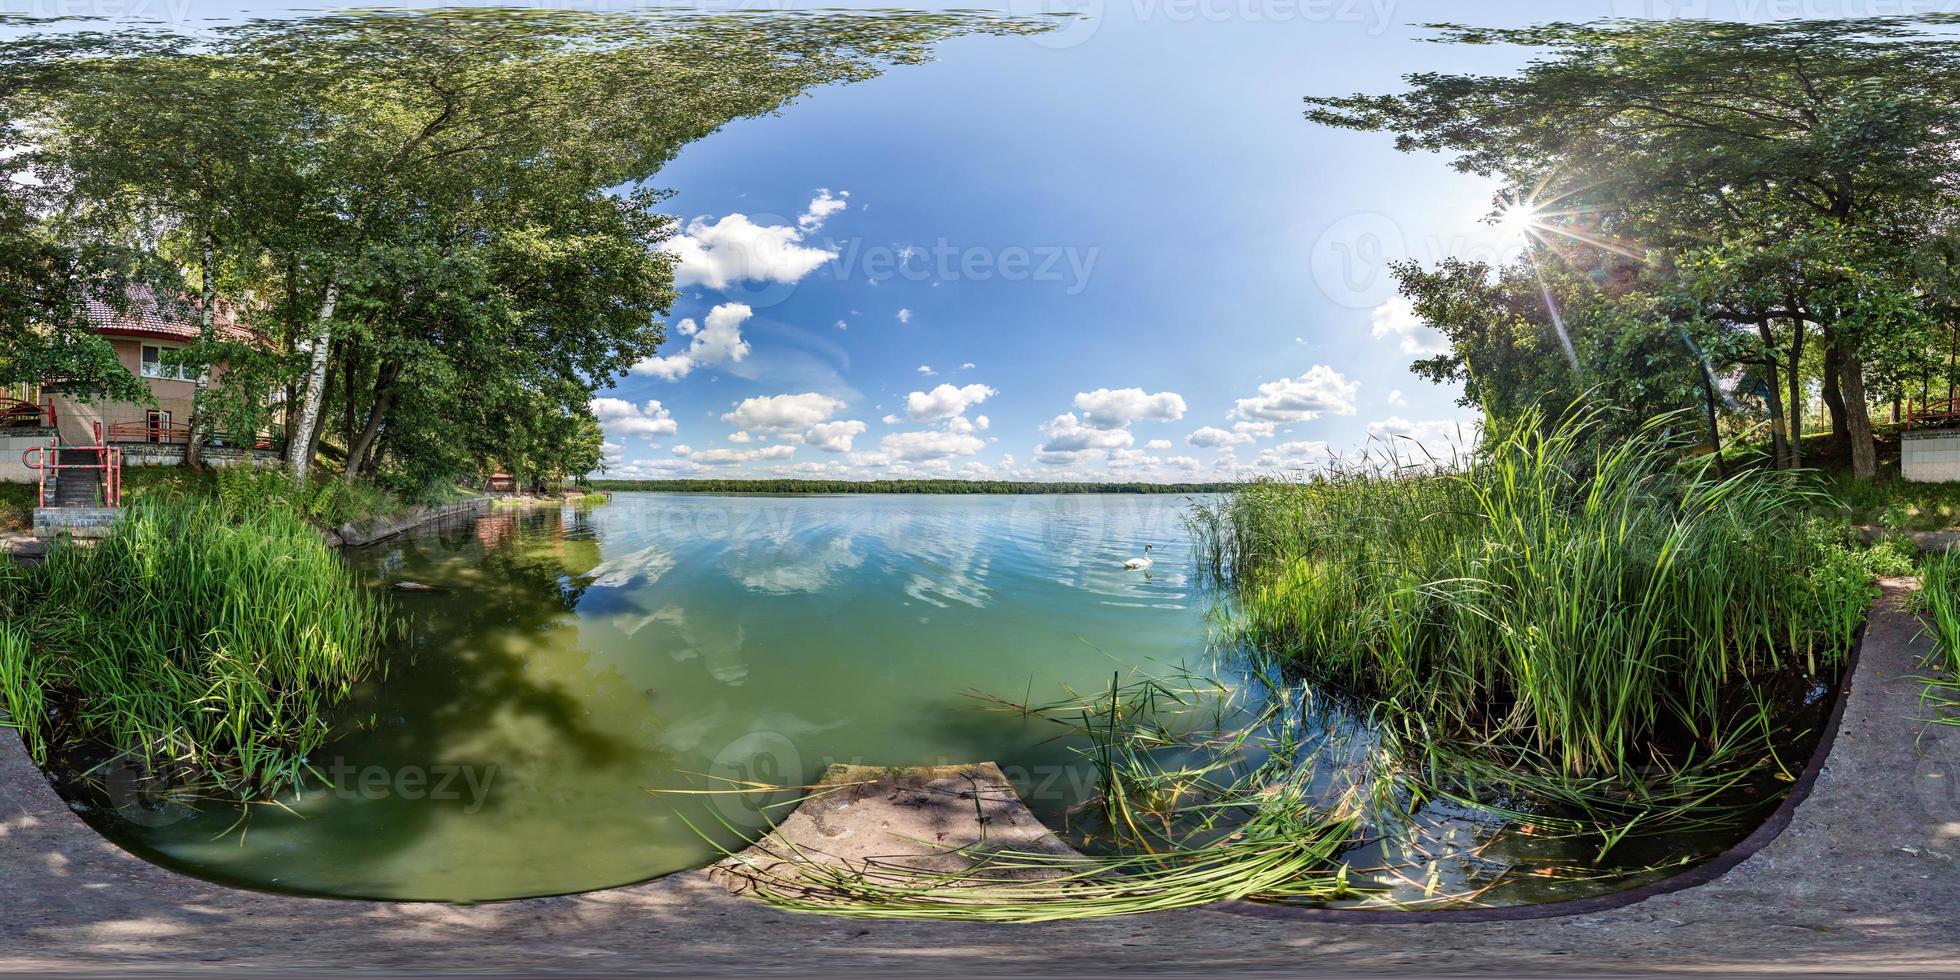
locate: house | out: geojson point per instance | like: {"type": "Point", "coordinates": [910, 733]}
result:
{"type": "Point", "coordinates": [141, 334]}
{"type": "Point", "coordinates": [140, 331]}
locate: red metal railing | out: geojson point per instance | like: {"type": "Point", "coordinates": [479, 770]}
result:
{"type": "Point", "coordinates": [46, 460]}
{"type": "Point", "coordinates": [170, 433]}
{"type": "Point", "coordinates": [1935, 417]}
{"type": "Point", "coordinates": [16, 413]}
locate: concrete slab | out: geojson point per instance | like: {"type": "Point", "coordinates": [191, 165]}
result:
{"type": "Point", "coordinates": [887, 824]}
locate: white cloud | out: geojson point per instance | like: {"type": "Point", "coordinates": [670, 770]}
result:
{"type": "Point", "coordinates": [1157, 444]}
{"type": "Point", "coordinates": [1288, 400]}
{"type": "Point", "coordinates": [945, 401]}
{"type": "Point", "coordinates": [732, 457]}
{"type": "Point", "coordinates": [968, 366]}
{"type": "Point", "coordinates": [1295, 455]}
{"type": "Point", "coordinates": [783, 413]}
{"type": "Point", "coordinates": [1107, 408]}
{"type": "Point", "coordinates": [1440, 438]}
{"type": "Point", "coordinates": [739, 436]}
{"type": "Point", "coordinates": [833, 437]}
{"type": "Point", "coordinates": [736, 249]}
{"type": "Point", "coordinates": [683, 450]}
{"type": "Point", "coordinates": [1397, 318]}
{"type": "Point", "coordinates": [619, 417]}
{"type": "Point", "coordinates": [1212, 437]}
{"type": "Point", "coordinates": [927, 370]}
{"type": "Point", "coordinates": [719, 342]}
{"type": "Point", "coordinates": [1395, 397]}
{"type": "Point", "coordinates": [904, 316]}
{"type": "Point", "coordinates": [1067, 434]}
{"type": "Point", "coordinates": [930, 444]}
{"type": "Point", "coordinates": [822, 206]}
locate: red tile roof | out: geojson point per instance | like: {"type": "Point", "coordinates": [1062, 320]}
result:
{"type": "Point", "coordinates": [144, 315]}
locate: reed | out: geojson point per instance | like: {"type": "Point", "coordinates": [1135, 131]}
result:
{"type": "Point", "coordinates": [1939, 602]}
{"type": "Point", "coordinates": [1573, 609]}
{"type": "Point", "coordinates": [198, 637]}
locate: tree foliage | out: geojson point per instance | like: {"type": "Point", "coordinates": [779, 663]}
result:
{"type": "Point", "coordinates": [433, 215]}
{"type": "Point", "coordinates": [1764, 192]}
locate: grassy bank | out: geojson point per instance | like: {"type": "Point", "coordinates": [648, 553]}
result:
{"type": "Point", "coordinates": [209, 638]}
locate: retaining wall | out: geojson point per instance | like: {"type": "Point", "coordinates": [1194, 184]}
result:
{"type": "Point", "coordinates": [349, 535]}
{"type": "Point", "coordinates": [12, 443]}
{"type": "Point", "coordinates": [1930, 456]}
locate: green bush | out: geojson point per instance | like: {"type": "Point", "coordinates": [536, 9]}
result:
{"type": "Point", "coordinates": [325, 501]}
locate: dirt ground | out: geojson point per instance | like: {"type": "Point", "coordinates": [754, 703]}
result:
{"type": "Point", "coordinates": [1862, 881]}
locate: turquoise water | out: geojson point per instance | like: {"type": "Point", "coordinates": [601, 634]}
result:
{"type": "Point", "coordinates": [563, 663]}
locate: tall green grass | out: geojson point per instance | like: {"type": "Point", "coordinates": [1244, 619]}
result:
{"type": "Point", "coordinates": [1939, 602]}
{"type": "Point", "coordinates": [1559, 608]}
{"type": "Point", "coordinates": [202, 637]}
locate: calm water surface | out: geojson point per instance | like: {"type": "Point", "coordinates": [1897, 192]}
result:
{"type": "Point", "coordinates": [572, 681]}
{"type": "Point", "coordinates": [567, 662]}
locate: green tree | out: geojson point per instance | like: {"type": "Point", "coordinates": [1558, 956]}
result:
{"type": "Point", "coordinates": [1658, 137]}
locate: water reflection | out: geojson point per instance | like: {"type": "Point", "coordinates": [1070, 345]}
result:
{"type": "Point", "coordinates": [572, 660]}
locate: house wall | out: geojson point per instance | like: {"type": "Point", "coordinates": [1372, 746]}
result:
{"type": "Point", "coordinates": [76, 418]}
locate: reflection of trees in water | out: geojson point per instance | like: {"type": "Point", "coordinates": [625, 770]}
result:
{"type": "Point", "coordinates": [465, 685]}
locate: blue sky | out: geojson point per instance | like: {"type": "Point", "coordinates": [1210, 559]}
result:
{"type": "Point", "coordinates": [1116, 251]}
{"type": "Point", "coordinates": [1130, 257]}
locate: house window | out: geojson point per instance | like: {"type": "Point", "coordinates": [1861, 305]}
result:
{"type": "Point", "coordinates": [153, 366]}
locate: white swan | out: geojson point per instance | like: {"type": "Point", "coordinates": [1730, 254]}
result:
{"type": "Point", "coordinates": [1138, 564]}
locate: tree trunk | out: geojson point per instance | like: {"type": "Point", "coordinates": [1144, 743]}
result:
{"type": "Point", "coordinates": [1864, 460]}
{"type": "Point", "coordinates": [384, 399]}
{"type": "Point", "coordinates": [1834, 396]}
{"type": "Point", "coordinates": [1795, 380]}
{"type": "Point", "coordinates": [1778, 439]}
{"type": "Point", "coordinates": [326, 396]}
{"type": "Point", "coordinates": [300, 447]}
{"type": "Point", "coordinates": [349, 371]}
{"type": "Point", "coordinates": [1714, 420]}
{"type": "Point", "coordinates": [207, 316]}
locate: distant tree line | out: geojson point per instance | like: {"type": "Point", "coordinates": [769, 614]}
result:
{"type": "Point", "coordinates": [903, 486]}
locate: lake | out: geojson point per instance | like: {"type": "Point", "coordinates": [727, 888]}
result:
{"type": "Point", "coordinates": [565, 663]}
{"type": "Point", "coordinates": [582, 698]}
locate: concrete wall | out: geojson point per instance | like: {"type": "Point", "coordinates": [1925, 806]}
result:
{"type": "Point", "coordinates": [169, 454]}
{"type": "Point", "coordinates": [1930, 456]}
{"type": "Point", "coordinates": [12, 442]}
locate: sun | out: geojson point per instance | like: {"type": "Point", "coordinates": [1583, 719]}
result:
{"type": "Point", "coordinates": [1516, 221]}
